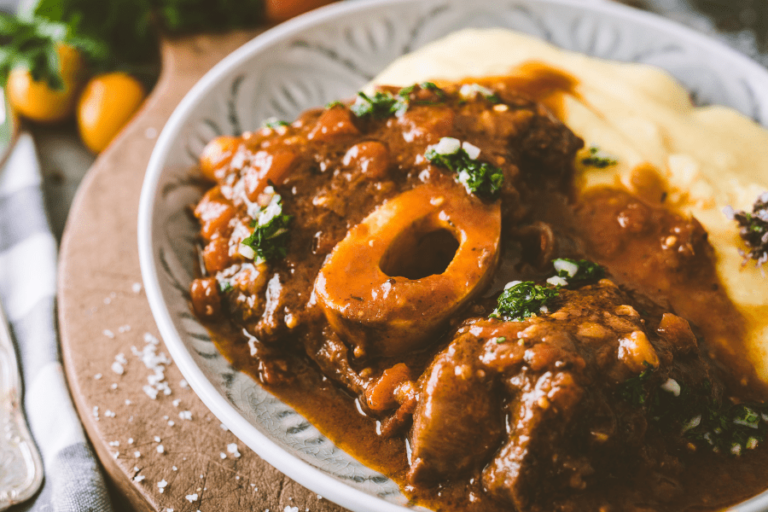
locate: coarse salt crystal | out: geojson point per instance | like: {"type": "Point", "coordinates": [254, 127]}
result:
{"type": "Point", "coordinates": [128, 402]}
{"type": "Point", "coordinates": [185, 415]}
{"type": "Point", "coordinates": [109, 414]}
{"type": "Point", "coordinates": [175, 468]}
{"type": "Point", "coordinates": [157, 439]}
{"type": "Point", "coordinates": [120, 358]}
{"type": "Point", "coordinates": [184, 384]}
{"type": "Point", "coordinates": [224, 427]}
{"type": "Point", "coordinates": [171, 423]}
{"type": "Point", "coordinates": [191, 498]}
{"type": "Point", "coordinates": [162, 483]}
{"type": "Point", "coordinates": [130, 440]}
{"type": "Point", "coordinates": [150, 391]}
{"type": "Point", "coordinates": [123, 328]}
{"type": "Point", "coordinates": [160, 449]}
{"type": "Point", "coordinates": [113, 386]}
{"type": "Point", "coordinates": [232, 448]}
{"type": "Point", "coordinates": [109, 334]}
{"type": "Point", "coordinates": [97, 376]}
{"type": "Point", "coordinates": [114, 443]}
{"type": "Point", "coordinates": [291, 509]}
{"type": "Point", "coordinates": [118, 368]}
{"type": "Point", "coordinates": [137, 454]}
{"type": "Point", "coordinates": [176, 402]}
{"type": "Point", "coordinates": [222, 455]}
{"type": "Point", "coordinates": [136, 287]}
{"type": "Point", "coordinates": [139, 478]}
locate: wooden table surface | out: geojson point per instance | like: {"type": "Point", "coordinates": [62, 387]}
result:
{"type": "Point", "coordinates": [169, 452]}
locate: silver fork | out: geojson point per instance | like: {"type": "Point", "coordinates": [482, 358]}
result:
{"type": "Point", "coordinates": [21, 469]}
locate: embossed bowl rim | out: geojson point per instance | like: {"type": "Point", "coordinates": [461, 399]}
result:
{"type": "Point", "coordinates": [303, 472]}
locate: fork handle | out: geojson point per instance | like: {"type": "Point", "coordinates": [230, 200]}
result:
{"type": "Point", "coordinates": [21, 469]}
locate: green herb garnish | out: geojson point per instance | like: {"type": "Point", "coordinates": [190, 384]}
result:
{"type": "Point", "coordinates": [633, 389]}
{"type": "Point", "coordinates": [224, 286]}
{"type": "Point", "coordinates": [274, 123]}
{"type": "Point", "coordinates": [334, 104]}
{"type": "Point", "coordinates": [598, 159]}
{"type": "Point", "coordinates": [753, 228]}
{"type": "Point", "coordinates": [270, 236]}
{"type": "Point", "coordinates": [578, 270]}
{"type": "Point", "coordinates": [384, 104]}
{"type": "Point", "coordinates": [500, 339]}
{"type": "Point", "coordinates": [479, 178]}
{"type": "Point", "coordinates": [522, 300]}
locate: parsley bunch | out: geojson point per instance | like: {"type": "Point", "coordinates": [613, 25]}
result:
{"type": "Point", "coordinates": [522, 300]}
{"type": "Point", "coordinates": [753, 228]}
{"type": "Point", "coordinates": [270, 236]}
{"type": "Point", "coordinates": [33, 44]}
{"type": "Point", "coordinates": [479, 178]}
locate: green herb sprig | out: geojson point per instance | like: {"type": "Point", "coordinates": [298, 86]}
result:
{"type": "Point", "coordinates": [479, 178]}
{"type": "Point", "coordinates": [270, 236]}
{"type": "Point", "coordinates": [522, 300]}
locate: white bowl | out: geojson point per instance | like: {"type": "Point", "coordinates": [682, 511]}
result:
{"type": "Point", "coordinates": [326, 55]}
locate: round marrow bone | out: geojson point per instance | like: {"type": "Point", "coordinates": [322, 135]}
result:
{"type": "Point", "coordinates": [383, 313]}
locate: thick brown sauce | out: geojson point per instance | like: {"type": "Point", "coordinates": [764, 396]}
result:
{"type": "Point", "coordinates": [633, 239]}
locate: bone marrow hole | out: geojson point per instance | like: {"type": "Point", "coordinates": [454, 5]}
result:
{"type": "Point", "coordinates": [418, 252]}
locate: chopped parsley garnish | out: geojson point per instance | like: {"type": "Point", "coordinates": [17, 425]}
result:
{"type": "Point", "coordinates": [270, 235]}
{"type": "Point", "coordinates": [274, 123]}
{"type": "Point", "coordinates": [383, 104]}
{"type": "Point", "coordinates": [633, 389]}
{"type": "Point", "coordinates": [753, 228]}
{"type": "Point", "coordinates": [380, 105]}
{"type": "Point", "coordinates": [522, 300]}
{"type": "Point", "coordinates": [581, 270]}
{"type": "Point", "coordinates": [479, 178]}
{"type": "Point", "coordinates": [224, 286]}
{"type": "Point", "coordinates": [334, 104]}
{"type": "Point", "coordinates": [598, 159]}
{"type": "Point", "coordinates": [697, 416]}
{"type": "Point", "coordinates": [500, 339]}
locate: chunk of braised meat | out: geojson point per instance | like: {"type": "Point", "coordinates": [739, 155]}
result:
{"type": "Point", "coordinates": [459, 421]}
{"type": "Point", "coordinates": [565, 378]}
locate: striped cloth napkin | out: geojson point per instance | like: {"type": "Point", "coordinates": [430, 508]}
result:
{"type": "Point", "coordinates": [73, 479]}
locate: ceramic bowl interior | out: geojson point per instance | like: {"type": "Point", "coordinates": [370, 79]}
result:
{"type": "Point", "coordinates": [330, 54]}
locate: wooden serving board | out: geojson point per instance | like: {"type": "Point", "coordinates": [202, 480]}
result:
{"type": "Point", "coordinates": [103, 313]}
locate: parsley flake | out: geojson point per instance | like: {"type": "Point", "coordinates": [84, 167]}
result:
{"type": "Point", "coordinates": [753, 228]}
{"type": "Point", "coordinates": [581, 270]}
{"type": "Point", "coordinates": [479, 178]}
{"type": "Point", "coordinates": [522, 300]}
{"type": "Point", "coordinates": [270, 235]}
{"type": "Point", "coordinates": [274, 123]}
{"type": "Point", "coordinates": [598, 159]}
{"type": "Point", "coordinates": [633, 389]}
